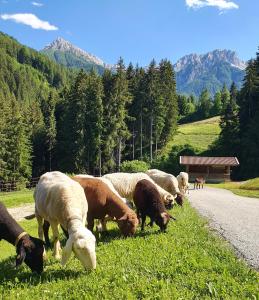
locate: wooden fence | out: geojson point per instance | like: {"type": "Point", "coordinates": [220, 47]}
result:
{"type": "Point", "coordinates": [12, 186]}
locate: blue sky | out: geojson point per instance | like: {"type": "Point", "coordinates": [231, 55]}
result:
{"type": "Point", "coordinates": [137, 30]}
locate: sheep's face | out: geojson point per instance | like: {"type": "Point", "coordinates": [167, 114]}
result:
{"type": "Point", "coordinates": [169, 201]}
{"type": "Point", "coordinates": [179, 199]}
{"type": "Point", "coordinates": [162, 220]}
{"type": "Point", "coordinates": [128, 224]}
{"type": "Point", "coordinates": [31, 250]}
{"type": "Point", "coordinates": [84, 249]}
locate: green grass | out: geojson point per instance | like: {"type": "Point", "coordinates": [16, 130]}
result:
{"type": "Point", "coordinates": [248, 188]}
{"type": "Point", "coordinates": [198, 134]}
{"type": "Point", "coordinates": [13, 199]}
{"type": "Point", "coordinates": [187, 262]}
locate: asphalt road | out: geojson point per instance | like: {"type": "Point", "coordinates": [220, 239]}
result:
{"type": "Point", "coordinates": [236, 218]}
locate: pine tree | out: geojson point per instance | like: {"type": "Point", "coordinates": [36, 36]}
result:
{"type": "Point", "coordinates": [93, 122]}
{"type": "Point", "coordinates": [217, 104]}
{"type": "Point", "coordinates": [205, 104]}
{"type": "Point", "coordinates": [225, 97]}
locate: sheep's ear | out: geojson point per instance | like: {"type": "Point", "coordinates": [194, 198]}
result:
{"type": "Point", "coordinates": [171, 217]}
{"type": "Point", "coordinates": [66, 252]}
{"type": "Point", "coordinates": [20, 257]}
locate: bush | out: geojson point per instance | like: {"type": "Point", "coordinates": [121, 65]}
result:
{"type": "Point", "coordinates": [134, 166]}
{"type": "Point", "coordinates": [171, 163]}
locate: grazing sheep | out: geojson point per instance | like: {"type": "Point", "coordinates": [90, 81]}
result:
{"type": "Point", "coordinates": [199, 182]}
{"type": "Point", "coordinates": [29, 249]}
{"type": "Point", "coordinates": [110, 185]}
{"type": "Point", "coordinates": [125, 184]}
{"type": "Point", "coordinates": [183, 182]}
{"type": "Point", "coordinates": [168, 182]}
{"type": "Point", "coordinates": [148, 203]}
{"type": "Point", "coordinates": [102, 201]}
{"type": "Point", "coordinates": [61, 200]}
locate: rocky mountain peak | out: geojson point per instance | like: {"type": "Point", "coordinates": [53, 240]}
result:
{"type": "Point", "coordinates": [62, 45]}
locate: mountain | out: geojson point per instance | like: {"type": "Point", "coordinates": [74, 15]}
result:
{"type": "Point", "coordinates": [65, 53]}
{"type": "Point", "coordinates": [195, 72]}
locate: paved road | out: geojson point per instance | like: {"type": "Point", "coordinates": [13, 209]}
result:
{"type": "Point", "coordinates": [236, 218]}
{"type": "Point", "coordinates": [19, 213]}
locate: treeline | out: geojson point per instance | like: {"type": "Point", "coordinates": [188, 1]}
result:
{"type": "Point", "coordinates": [28, 82]}
{"type": "Point", "coordinates": [240, 124]}
{"type": "Point", "coordinates": [125, 115]}
{"type": "Point", "coordinates": [205, 106]}
{"type": "Point", "coordinates": [52, 118]}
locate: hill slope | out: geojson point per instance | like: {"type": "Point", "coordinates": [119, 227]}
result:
{"type": "Point", "coordinates": [199, 134]}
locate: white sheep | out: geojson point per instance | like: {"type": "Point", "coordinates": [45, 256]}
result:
{"type": "Point", "coordinates": [167, 181]}
{"type": "Point", "coordinates": [61, 200]}
{"type": "Point", "coordinates": [183, 182]}
{"type": "Point", "coordinates": [125, 184]}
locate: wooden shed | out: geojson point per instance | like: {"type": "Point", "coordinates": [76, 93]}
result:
{"type": "Point", "coordinates": [213, 169]}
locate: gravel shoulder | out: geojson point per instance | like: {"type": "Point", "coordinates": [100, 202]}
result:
{"type": "Point", "coordinates": [20, 212]}
{"type": "Point", "coordinates": [236, 218]}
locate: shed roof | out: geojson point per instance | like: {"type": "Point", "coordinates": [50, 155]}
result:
{"type": "Point", "coordinates": [209, 161]}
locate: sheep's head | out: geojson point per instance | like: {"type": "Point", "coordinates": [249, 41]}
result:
{"type": "Point", "coordinates": [179, 199]}
{"type": "Point", "coordinates": [169, 201]}
{"type": "Point", "coordinates": [30, 250]}
{"type": "Point", "coordinates": [83, 245]}
{"type": "Point", "coordinates": [128, 224]}
{"type": "Point", "coordinates": [162, 220]}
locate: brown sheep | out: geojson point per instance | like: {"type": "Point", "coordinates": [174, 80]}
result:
{"type": "Point", "coordinates": [148, 203]}
{"type": "Point", "coordinates": [102, 201]}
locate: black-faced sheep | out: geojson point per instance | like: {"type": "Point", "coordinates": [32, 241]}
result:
{"type": "Point", "coordinates": [148, 203]}
{"type": "Point", "coordinates": [29, 249]}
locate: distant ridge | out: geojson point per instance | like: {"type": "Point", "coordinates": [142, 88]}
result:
{"type": "Point", "coordinates": [194, 72]}
{"type": "Point", "coordinates": [211, 70]}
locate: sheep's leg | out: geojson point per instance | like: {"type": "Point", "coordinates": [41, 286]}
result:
{"type": "Point", "coordinates": [57, 247]}
{"type": "Point", "coordinates": [90, 224]}
{"type": "Point", "coordinates": [46, 226]}
{"type": "Point", "coordinates": [143, 217]}
{"type": "Point", "coordinates": [40, 226]}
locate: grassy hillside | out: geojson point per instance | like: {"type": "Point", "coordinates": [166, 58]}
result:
{"type": "Point", "coordinates": [198, 134]}
{"type": "Point", "coordinates": [187, 262]}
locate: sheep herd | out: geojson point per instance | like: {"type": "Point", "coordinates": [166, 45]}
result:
{"type": "Point", "coordinates": [73, 202]}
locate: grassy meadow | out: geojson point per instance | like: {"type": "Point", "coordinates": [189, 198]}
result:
{"type": "Point", "coordinates": [13, 199]}
{"type": "Point", "coordinates": [187, 262]}
{"type": "Point", "coordinates": [249, 188]}
{"type": "Point", "coordinates": [199, 134]}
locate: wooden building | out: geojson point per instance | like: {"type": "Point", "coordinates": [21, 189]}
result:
{"type": "Point", "coordinates": [213, 169]}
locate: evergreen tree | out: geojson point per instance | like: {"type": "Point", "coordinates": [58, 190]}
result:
{"type": "Point", "coordinates": [93, 122]}
{"type": "Point", "coordinates": [217, 104]}
{"type": "Point", "coordinates": [225, 97]}
{"type": "Point", "coordinates": [205, 104]}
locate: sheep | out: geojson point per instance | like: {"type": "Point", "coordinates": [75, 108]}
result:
{"type": "Point", "coordinates": [183, 182]}
{"type": "Point", "coordinates": [110, 185]}
{"type": "Point", "coordinates": [199, 182]}
{"type": "Point", "coordinates": [29, 249]}
{"type": "Point", "coordinates": [61, 200]}
{"type": "Point", "coordinates": [125, 184]}
{"type": "Point", "coordinates": [168, 182]}
{"type": "Point", "coordinates": [148, 203]}
{"type": "Point", "coordinates": [103, 201]}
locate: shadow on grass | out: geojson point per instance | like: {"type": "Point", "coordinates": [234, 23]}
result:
{"type": "Point", "coordinates": [10, 274]}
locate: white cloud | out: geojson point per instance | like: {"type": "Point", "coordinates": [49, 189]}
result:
{"type": "Point", "coordinates": [37, 4]}
{"type": "Point", "coordinates": [220, 4]}
{"type": "Point", "coordinates": [30, 20]}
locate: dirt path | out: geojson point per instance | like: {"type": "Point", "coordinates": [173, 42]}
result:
{"type": "Point", "coordinates": [236, 218]}
{"type": "Point", "coordinates": [19, 213]}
